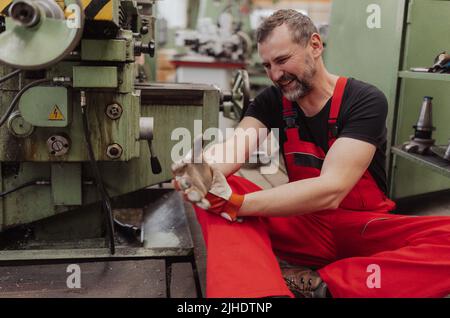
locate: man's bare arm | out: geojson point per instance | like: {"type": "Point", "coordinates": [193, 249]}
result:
{"type": "Point", "coordinates": [230, 146]}
{"type": "Point", "coordinates": [345, 163]}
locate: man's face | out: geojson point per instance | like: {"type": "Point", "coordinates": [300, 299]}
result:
{"type": "Point", "coordinates": [289, 65]}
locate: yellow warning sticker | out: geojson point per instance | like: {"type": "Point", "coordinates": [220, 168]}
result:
{"type": "Point", "coordinates": [56, 114]}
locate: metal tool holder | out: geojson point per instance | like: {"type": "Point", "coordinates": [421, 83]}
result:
{"type": "Point", "coordinates": [389, 45]}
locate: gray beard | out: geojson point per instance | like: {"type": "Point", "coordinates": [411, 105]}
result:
{"type": "Point", "coordinates": [300, 90]}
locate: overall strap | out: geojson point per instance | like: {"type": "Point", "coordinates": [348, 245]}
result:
{"type": "Point", "coordinates": [336, 102]}
{"type": "Point", "coordinates": [289, 113]}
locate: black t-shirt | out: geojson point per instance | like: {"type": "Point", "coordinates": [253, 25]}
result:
{"type": "Point", "coordinates": [362, 116]}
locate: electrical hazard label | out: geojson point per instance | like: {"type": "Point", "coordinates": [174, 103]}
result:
{"type": "Point", "coordinates": [56, 114]}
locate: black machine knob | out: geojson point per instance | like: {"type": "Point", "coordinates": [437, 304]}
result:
{"type": "Point", "coordinates": [226, 96]}
{"type": "Point", "coordinates": [145, 48]}
{"type": "Point", "coordinates": [144, 30]}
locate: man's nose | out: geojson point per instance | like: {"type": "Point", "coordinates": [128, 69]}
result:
{"type": "Point", "coordinates": [276, 74]}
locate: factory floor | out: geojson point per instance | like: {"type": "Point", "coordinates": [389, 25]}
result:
{"type": "Point", "coordinates": [146, 278]}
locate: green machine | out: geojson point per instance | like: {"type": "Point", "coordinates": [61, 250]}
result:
{"type": "Point", "coordinates": [382, 42]}
{"type": "Point", "coordinates": [214, 8]}
{"type": "Point", "coordinates": [81, 136]}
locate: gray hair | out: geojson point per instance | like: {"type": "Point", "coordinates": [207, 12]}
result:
{"type": "Point", "coordinates": [300, 25]}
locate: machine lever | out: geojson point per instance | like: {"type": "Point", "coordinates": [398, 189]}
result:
{"type": "Point", "coordinates": [146, 133]}
{"type": "Point", "coordinates": [154, 161]}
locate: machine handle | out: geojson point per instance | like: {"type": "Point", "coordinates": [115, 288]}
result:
{"type": "Point", "coordinates": [154, 161]}
{"type": "Point", "coordinates": [146, 133]}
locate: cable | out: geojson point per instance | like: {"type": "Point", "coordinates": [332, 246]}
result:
{"type": "Point", "coordinates": [10, 75]}
{"type": "Point", "coordinates": [27, 184]}
{"type": "Point", "coordinates": [106, 201]}
{"type": "Point", "coordinates": [16, 98]}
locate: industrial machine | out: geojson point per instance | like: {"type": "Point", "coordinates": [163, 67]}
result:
{"type": "Point", "coordinates": [219, 30]}
{"type": "Point", "coordinates": [221, 40]}
{"type": "Point", "coordinates": [81, 137]}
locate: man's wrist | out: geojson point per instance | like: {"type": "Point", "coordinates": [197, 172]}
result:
{"type": "Point", "coordinates": [233, 206]}
{"type": "Point", "coordinates": [247, 207]}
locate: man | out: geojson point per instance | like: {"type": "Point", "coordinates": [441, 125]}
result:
{"type": "Point", "coordinates": [333, 215]}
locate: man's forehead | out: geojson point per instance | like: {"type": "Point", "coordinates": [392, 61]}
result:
{"type": "Point", "coordinates": [280, 34]}
{"type": "Point", "coordinates": [278, 43]}
{"type": "Point", "coordinates": [268, 53]}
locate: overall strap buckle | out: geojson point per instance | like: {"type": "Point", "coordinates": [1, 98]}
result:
{"type": "Point", "coordinates": [333, 129]}
{"type": "Point", "coordinates": [289, 114]}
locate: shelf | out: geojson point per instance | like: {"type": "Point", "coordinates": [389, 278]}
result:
{"type": "Point", "coordinates": [433, 162]}
{"type": "Point", "coordinates": [424, 76]}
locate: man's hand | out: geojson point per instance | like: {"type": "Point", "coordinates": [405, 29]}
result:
{"type": "Point", "coordinates": [194, 180]}
{"type": "Point", "coordinates": [222, 199]}
{"type": "Point", "coordinates": [208, 188]}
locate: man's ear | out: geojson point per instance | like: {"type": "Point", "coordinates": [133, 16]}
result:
{"type": "Point", "coordinates": [316, 44]}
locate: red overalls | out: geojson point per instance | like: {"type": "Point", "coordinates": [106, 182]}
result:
{"type": "Point", "coordinates": [412, 254]}
{"type": "Point", "coordinates": [366, 195]}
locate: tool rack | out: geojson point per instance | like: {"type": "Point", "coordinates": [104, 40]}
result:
{"type": "Point", "coordinates": [409, 34]}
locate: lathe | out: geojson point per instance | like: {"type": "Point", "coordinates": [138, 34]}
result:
{"type": "Point", "coordinates": [82, 137]}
